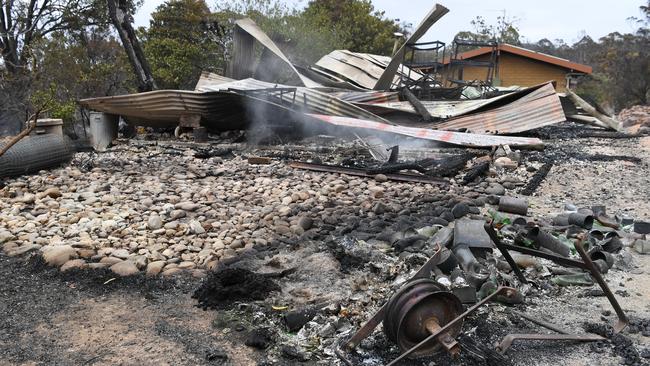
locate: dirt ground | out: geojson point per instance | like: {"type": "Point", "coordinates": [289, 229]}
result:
{"type": "Point", "coordinates": [94, 318]}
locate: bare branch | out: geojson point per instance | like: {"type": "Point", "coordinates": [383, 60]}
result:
{"type": "Point", "coordinates": [27, 131]}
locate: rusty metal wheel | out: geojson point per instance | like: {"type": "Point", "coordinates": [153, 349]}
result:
{"type": "Point", "coordinates": [417, 309]}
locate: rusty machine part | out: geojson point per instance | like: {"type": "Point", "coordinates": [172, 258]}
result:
{"type": "Point", "coordinates": [366, 330]}
{"type": "Point", "coordinates": [508, 340]}
{"type": "Point", "coordinates": [501, 291]}
{"type": "Point", "coordinates": [419, 309]}
{"type": "Point", "coordinates": [563, 335]}
{"type": "Point", "coordinates": [420, 317]}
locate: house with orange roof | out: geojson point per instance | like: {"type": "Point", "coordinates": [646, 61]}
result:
{"type": "Point", "coordinates": [521, 67]}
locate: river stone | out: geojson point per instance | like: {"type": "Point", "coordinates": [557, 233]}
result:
{"type": "Point", "coordinates": [5, 236]}
{"type": "Point", "coordinates": [381, 178]}
{"type": "Point", "coordinates": [177, 214]}
{"type": "Point", "coordinates": [125, 268]}
{"type": "Point", "coordinates": [187, 206]}
{"type": "Point", "coordinates": [23, 249]}
{"type": "Point", "coordinates": [155, 222]}
{"type": "Point", "coordinates": [75, 263]}
{"type": "Point", "coordinates": [120, 253]}
{"type": "Point", "coordinates": [495, 189]}
{"type": "Point", "coordinates": [196, 227]}
{"type": "Point", "coordinates": [305, 223]}
{"type": "Point", "coordinates": [109, 261]}
{"type": "Point", "coordinates": [57, 256]}
{"type": "Point", "coordinates": [154, 268]}
{"type": "Point", "coordinates": [27, 198]}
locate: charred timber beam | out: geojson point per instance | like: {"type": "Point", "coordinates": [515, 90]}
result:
{"type": "Point", "coordinates": [361, 173]}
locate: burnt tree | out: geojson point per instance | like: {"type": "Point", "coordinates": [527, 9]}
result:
{"type": "Point", "coordinates": [118, 11]}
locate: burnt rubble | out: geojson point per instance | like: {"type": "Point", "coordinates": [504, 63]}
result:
{"type": "Point", "coordinates": [342, 224]}
{"type": "Point", "coordinates": [318, 257]}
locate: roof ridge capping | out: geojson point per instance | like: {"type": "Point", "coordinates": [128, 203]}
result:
{"type": "Point", "coordinates": [537, 52]}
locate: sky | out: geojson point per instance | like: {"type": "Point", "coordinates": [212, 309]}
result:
{"type": "Point", "coordinates": [552, 19]}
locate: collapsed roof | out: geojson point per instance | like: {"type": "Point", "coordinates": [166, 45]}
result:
{"type": "Point", "coordinates": [342, 91]}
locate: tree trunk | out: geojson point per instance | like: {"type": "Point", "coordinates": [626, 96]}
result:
{"type": "Point", "coordinates": [610, 122]}
{"type": "Point", "coordinates": [122, 22]}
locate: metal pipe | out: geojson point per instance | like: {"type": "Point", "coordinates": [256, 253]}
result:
{"type": "Point", "coordinates": [513, 205]}
{"type": "Point", "coordinates": [541, 322]}
{"type": "Point", "coordinates": [602, 266]}
{"type": "Point", "coordinates": [561, 220]}
{"type": "Point", "coordinates": [507, 342]}
{"type": "Point", "coordinates": [447, 261]}
{"type": "Point", "coordinates": [548, 241]}
{"type": "Point", "coordinates": [604, 256]}
{"type": "Point", "coordinates": [443, 238]}
{"type": "Point", "coordinates": [582, 220]}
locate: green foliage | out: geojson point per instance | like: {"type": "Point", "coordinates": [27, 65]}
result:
{"type": "Point", "coordinates": [179, 43]}
{"type": "Point", "coordinates": [621, 64]}
{"type": "Point", "coordinates": [625, 65]}
{"type": "Point", "coordinates": [64, 109]}
{"type": "Point", "coordinates": [323, 26]}
{"type": "Point", "coordinates": [354, 24]}
{"type": "Point", "coordinates": [72, 67]}
{"type": "Point", "coordinates": [504, 30]}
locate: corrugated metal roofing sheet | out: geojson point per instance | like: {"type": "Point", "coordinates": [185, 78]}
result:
{"type": "Point", "coordinates": [362, 70]}
{"type": "Point", "coordinates": [450, 137]}
{"type": "Point", "coordinates": [248, 26]}
{"type": "Point", "coordinates": [306, 99]}
{"type": "Point", "coordinates": [519, 111]}
{"type": "Point", "coordinates": [369, 97]}
{"type": "Point", "coordinates": [539, 108]}
{"type": "Point", "coordinates": [228, 110]}
{"type": "Point", "coordinates": [444, 108]}
{"type": "Point", "coordinates": [163, 108]}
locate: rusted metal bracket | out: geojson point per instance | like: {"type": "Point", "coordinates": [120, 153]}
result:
{"type": "Point", "coordinates": [495, 238]}
{"type": "Point", "coordinates": [360, 173]}
{"type": "Point", "coordinates": [507, 291]}
{"type": "Point", "coordinates": [563, 261]}
{"type": "Point", "coordinates": [507, 342]}
{"type": "Point", "coordinates": [563, 335]}
{"type": "Point", "coordinates": [595, 273]}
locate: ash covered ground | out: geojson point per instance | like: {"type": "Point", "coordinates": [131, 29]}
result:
{"type": "Point", "coordinates": [229, 263]}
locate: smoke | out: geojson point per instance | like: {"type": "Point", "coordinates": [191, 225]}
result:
{"type": "Point", "coordinates": [280, 114]}
{"type": "Point", "coordinates": [278, 118]}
